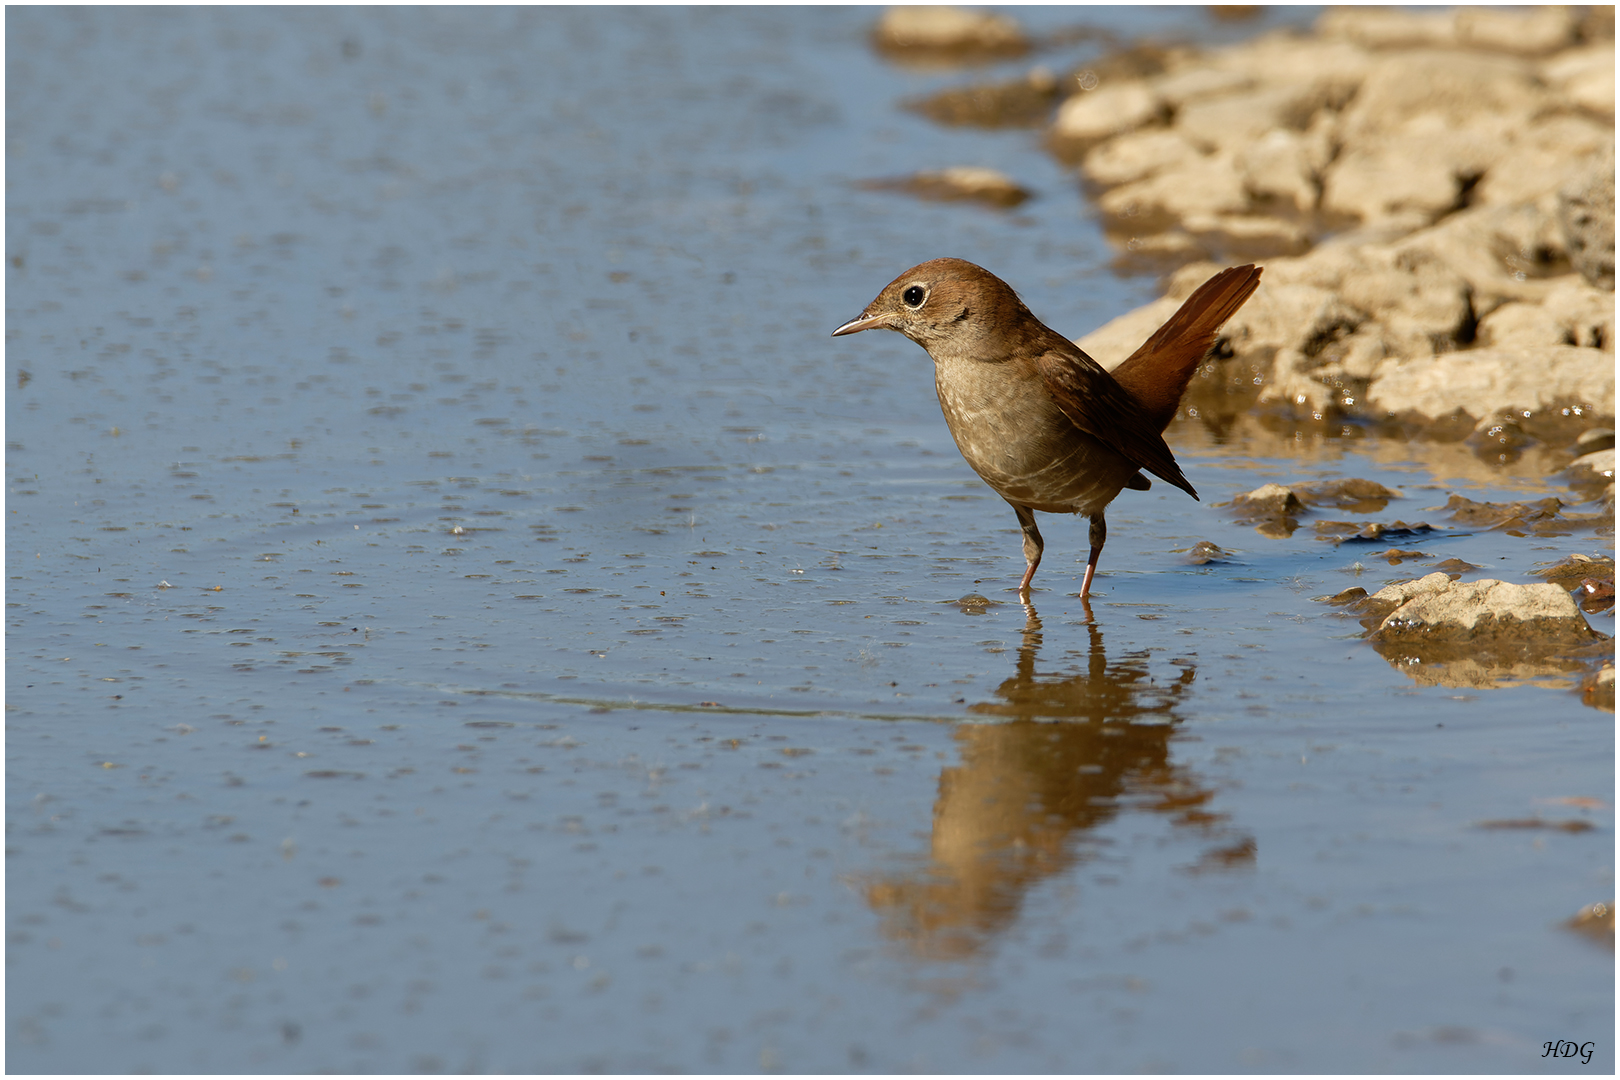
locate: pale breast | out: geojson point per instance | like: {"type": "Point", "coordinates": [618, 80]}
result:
{"type": "Point", "coordinates": [1014, 436]}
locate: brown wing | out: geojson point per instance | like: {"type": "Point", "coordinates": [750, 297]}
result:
{"type": "Point", "coordinates": [1106, 411]}
{"type": "Point", "coordinates": [1157, 373]}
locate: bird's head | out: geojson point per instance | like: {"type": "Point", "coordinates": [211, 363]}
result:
{"type": "Point", "coordinates": [944, 304]}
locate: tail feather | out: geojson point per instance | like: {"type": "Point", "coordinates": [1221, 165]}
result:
{"type": "Point", "coordinates": [1157, 373]}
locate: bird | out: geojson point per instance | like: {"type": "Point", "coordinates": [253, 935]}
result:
{"type": "Point", "coordinates": [1041, 422]}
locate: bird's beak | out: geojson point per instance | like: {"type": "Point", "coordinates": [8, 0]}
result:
{"type": "Point", "coordinates": [865, 322]}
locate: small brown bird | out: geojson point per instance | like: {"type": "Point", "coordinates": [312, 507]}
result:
{"type": "Point", "coordinates": [1037, 418]}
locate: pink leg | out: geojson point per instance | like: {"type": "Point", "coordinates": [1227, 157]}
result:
{"type": "Point", "coordinates": [1099, 534]}
{"type": "Point", "coordinates": [1033, 546]}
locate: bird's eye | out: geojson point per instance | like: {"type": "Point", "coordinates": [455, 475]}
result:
{"type": "Point", "coordinates": [913, 296]}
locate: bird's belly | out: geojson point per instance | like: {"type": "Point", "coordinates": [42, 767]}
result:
{"type": "Point", "coordinates": [1031, 454]}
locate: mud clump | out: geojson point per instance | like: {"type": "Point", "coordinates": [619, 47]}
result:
{"type": "Point", "coordinates": [948, 35]}
{"type": "Point", "coordinates": [1268, 500]}
{"type": "Point", "coordinates": [1357, 496]}
{"type": "Point", "coordinates": [974, 604]}
{"type": "Point", "coordinates": [1436, 609]}
{"type": "Point", "coordinates": [1275, 510]}
{"type": "Point", "coordinates": [1025, 102]}
{"type": "Point", "coordinates": [1371, 532]}
{"type": "Point", "coordinates": [1396, 556]}
{"type": "Point", "coordinates": [1589, 578]}
{"type": "Point", "coordinates": [1272, 508]}
{"type": "Point", "coordinates": [1545, 517]}
{"type": "Point", "coordinates": [1444, 632]}
{"type": "Point", "coordinates": [960, 183]}
{"type": "Point", "coordinates": [1595, 921]}
{"type": "Point", "coordinates": [1203, 553]}
{"type": "Point", "coordinates": [1598, 691]}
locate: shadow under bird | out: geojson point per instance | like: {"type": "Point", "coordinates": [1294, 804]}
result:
{"type": "Point", "coordinates": [1040, 421]}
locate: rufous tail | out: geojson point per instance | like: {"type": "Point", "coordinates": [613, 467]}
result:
{"type": "Point", "coordinates": [1157, 373]}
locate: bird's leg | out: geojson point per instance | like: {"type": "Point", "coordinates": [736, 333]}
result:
{"type": "Point", "coordinates": [1033, 546]}
{"type": "Point", "coordinates": [1099, 534]}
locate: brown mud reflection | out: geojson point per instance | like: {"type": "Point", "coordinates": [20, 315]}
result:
{"type": "Point", "coordinates": [1071, 752]}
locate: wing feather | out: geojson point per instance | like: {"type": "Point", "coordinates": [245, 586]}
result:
{"type": "Point", "coordinates": [1087, 394]}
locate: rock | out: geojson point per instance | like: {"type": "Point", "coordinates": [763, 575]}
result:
{"type": "Point", "coordinates": [1171, 245]}
{"type": "Point", "coordinates": [1586, 213]}
{"type": "Point", "coordinates": [1500, 438]}
{"type": "Point", "coordinates": [1546, 517]}
{"type": "Point", "coordinates": [1531, 31]}
{"type": "Point", "coordinates": [1292, 315]}
{"type": "Point", "coordinates": [1383, 28]}
{"type": "Point", "coordinates": [1270, 508]}
{"type": "Point", "coordinates": [1571, 313]}
{"type": "Point", "coordinates": [1481, 382]}
{"type": "Point", "coordinates": [1332, 323]}
{"type": "Point", "coordinates": [950, 30]}
{"type": "Point", "coordinates": [1591, 475]}
{"type": "Point", "coordinates": [1201, 83]}
{"type": "Point", "coordinates": [1519, 325]}
{"type": "Point", "coordinates": [1231, 121]}
{"type": "Point", "coordinates": [1498, 251]}
{"type": "Point", "coordinates": [1443, 632]}
{"type": "Point", "coordinates": [1203, 553]}
{"type": "Point", "coordinates": [1419, 175]}
{"type": "Point", "coordinates": [1137, 155]}
{"type": "Point", "coordinates": [1207, 185]}
{"type": "Point", "coordinates": [1439, 91]}
{"type": "Point", "coordinates": [1538, 161]}
{"type": "Point", "coordinates": [1437, 609]}
{"type": "Point", "coordinates": [1598, 691]}
{"type": "Point", "coordinates": [1109, 110]}
{"type": "Point", "coordinates": [1596, 921]}
{"type": "Point", "coordinates": [1492, 515]}
{"type": "Point", "coordinates": [1585, 76]}
{"type": "Point", "coordinates": [1583, 311]}
{"type": "Point", "coordinates": [1277, 168]}
{"type": "Point", "coordinates": [1568, 573]}
{"type": "Point", "coordinates": [1425, 126]}
{"type": "Point", "coordinates": [977, 183]}
{"type": "Point", "coordinates": [1592, 440]}
{"type": "Point", "coordinates": [1569, 825]}
{"type": "Point", "coordinates": [1594, 89]}
{"type": "Point", "coordinates": [1421, 305]}
{"type": "Point", "coordinates": [1349, 595]}
{"type": "Point", "coordinates": [1372, 532]}
{"type": "Point", "coordinates": [961, 182]}
{"type": "Point", "coordinates": [1025, 102]}
{"type": "Point", "coordinates": [1598, 23]}
{"type": "Point", "coordinates": [1452, 138]}
{"type": "Point", "coordinates": [1246, 236]}
{"type": "Point", "coordinates": [1396, 556]}
{"type": "Point", "coordinates": [1268, 500]}
{"type": "Point", "coordinates": [1599, 463]}
{"type": "Point", "coordinates": [1334, 69]}
{"type": "Point", "coordinates": [1409, 297]}
{"type": "Point", "coordinates": [1596, 595]}
{"type": "Point", "coordinates": [1136, 62]}
{"type": "Point", "coordinates": [1359, 496]}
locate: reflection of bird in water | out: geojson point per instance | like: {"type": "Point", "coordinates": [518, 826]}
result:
{"type": "Point", "coordinates": [1027, 791]}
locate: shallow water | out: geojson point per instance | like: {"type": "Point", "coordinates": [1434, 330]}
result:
{"type": "Point", "coordinates": [465, 613]}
